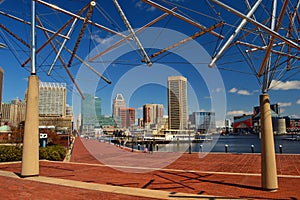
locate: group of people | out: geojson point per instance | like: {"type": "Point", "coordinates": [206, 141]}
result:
{"type": "Point", "coordinates": [149, 147]}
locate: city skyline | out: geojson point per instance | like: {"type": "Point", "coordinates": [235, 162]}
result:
{"type": "Point", "coordinates": [240, 85]}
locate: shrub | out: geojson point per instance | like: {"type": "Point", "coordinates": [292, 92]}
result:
{"type": "Point", "coordinates": [54, 152]}
{"type": "Point", "coordinates": [10, 153]}
{"type": "Point", "coordinates": [14, 153]}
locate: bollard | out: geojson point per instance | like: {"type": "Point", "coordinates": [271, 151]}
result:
{"type": "Point", "coordinates": [226, 148]}
{"type": "Point", "coordinates": [156, 147]}
{"type": "Point", "coordinates": [201, 148]}
{"type": "Point", "coordinates": [252, 148]}
{"type": "Point", "coordinates": [139, 147]}
{"type": "Point", "coordinates": [280, 148]}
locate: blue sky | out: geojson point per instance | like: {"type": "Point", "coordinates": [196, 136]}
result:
{"type": "Point", "coordinates": [241, 86]}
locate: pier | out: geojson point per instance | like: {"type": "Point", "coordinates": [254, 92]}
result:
{"type": "Point", "coordinates": [191, 176]}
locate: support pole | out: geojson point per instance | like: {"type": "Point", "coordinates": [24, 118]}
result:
{"type": "Point", "coordinates": [268, 160]}
{"type": "Point", "coordinates": [30, 156]}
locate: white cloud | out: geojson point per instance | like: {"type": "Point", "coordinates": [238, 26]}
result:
{"type": "Point", "coordinates": [241, 92]}
{"type": "Point", "coordinates": [143, 6]}
{"type": "Point", "coordinates": [288, 85]}
{"type": "Point", "coordinates": [101, 40]}
{"type": "Point", "coordinates": [298, 102]}
{"type": "Point", "coordinates": [239, 112]}
{"type": "Point", "coordinates": [284, 104]}
{"type": "Point", "coordinates": [244, 92]}
{"type": "Point", "coordinates": [233, 90]}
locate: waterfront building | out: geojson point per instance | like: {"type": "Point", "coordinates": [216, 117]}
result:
{"type": "Point", "coordinates": [177, 103]}
{"type": "Point", "coordinates": [1, 88]}
{"type": "Point", "coordinates": [69, 110]}
{"type": "Point", "coordinates": [13, 113]}
{"type": "Point", "coordinates": [127, 116]}
{"type": "Point", "coordinates": [107, 121]}
{"type": "Point", "coordinates": [52, 99]}
{"type": "Point", "coordinates": [140, 123]}
{"type": "Point", "coordinates": [152, 114]}
{"type": "Point", "coordinates": [203, 122]}
{"type": "Point", "coordinates": [275, 113]}
{"type": "Point", "coordinates": [242, 124]}
{"type": "Point", "coordinates": [292, 124]}
{"type": "Point", "coordinates": [52, 106]}
{"type": "Point", "coordinates": [90, 113]}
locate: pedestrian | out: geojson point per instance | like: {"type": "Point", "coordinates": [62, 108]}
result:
{"type": "Point", "coordinates": [151, 147]}
{"type": "Point", "coordinates": [146, 148]}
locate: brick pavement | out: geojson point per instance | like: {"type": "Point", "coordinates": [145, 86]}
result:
{"type": "Point", "coordinates": [214, 174]}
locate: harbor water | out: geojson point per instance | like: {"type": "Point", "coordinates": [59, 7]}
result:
{"type": "Point", "coordinates": [235, 144]}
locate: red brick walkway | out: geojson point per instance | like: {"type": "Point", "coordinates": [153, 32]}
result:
{"type": "Point", "coordinates": [227, 175]}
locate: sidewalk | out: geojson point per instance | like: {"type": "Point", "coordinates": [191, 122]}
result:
{"type": "Point", "coordinates": [211, 176]}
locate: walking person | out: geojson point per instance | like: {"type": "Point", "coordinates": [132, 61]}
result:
{"type": "Point", "coordinates": [151, 147]}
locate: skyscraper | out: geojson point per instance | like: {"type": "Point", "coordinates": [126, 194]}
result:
{"type": "Point", "coordinates": [152, 113]}
{"type": "Point", "coordinates": [127, 116]}
{"type": "Point", "coordinates": [90, 113]}
{"type": "Point", "coordinates": [118, 103]}
{"type": "Point", "coordinates": [177, 102]}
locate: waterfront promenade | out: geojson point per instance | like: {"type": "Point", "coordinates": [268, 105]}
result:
{"type": "Point", "coordinates": [209, 176]}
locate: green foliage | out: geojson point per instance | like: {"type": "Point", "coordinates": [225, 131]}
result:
{"type": "Point", "coordinates": [14, 153]}
{"type": "Point", "coordinates": [10, 153]}
{"type": "Point", "coordinates": [54, 152]}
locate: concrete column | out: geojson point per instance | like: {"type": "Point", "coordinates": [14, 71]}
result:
{"type": "Point", "coordinates": [268, 160]}
{"type": "Point", "coordinates": [30, 157]}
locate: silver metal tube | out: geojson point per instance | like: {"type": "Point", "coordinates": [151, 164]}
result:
{"type": "Point", "coordinates": [128, 36]}
{"type": "Point", "coordinates": [264, 48]}
{"type": "Point", "coordinates": [241, 15]}
{"type": "Point", "coordinates": [237, 30]}
{"type": "Point", "coordinates": [136, 39]}
{"type": "Point", "coordinates": [272, 39]}
{"type": "Point", "coordinates": [78, 17]}
{"type": "Point", "coordinates": [28, 23]}
{"type": "Point", "coordinates": [61, 47]}
{"type": "Point", "coordinates": [33, 43]}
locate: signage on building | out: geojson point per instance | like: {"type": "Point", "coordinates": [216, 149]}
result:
{"type": "Point", "coordinates": [43, 135]}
